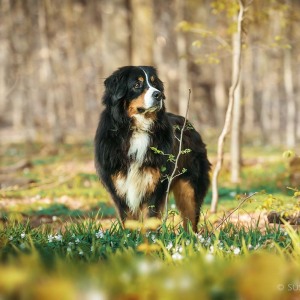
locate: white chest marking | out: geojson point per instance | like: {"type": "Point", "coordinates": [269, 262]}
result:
{"type": "Point", "coordinates": [139, 144]}
{"type": "Point", "coordinates": [136, 183]}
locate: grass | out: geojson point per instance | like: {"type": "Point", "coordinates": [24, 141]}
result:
{"type": "Point", "coordinates": [58, 239]}
{"type": "Point", "coordinates": [119, 263]}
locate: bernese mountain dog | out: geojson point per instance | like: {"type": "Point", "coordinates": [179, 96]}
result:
{"type": "Point", "coordinates": [135, 143]}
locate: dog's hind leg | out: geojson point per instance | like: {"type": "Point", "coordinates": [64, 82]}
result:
{"type": "Point", "coordinates": [187, 202]}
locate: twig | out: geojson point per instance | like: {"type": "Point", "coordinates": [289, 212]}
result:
{"type": "Point", "coordinates": [24, 163]}
{"type": "Point", "coordinates": [227, 217]}
{"type": "Point", "coordinates": [44, 185]}
{"type": "Point", "coordinates": [177, 157]}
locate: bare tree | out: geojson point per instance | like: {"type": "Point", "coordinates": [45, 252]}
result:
{"type": "Point", "coordinates": [236, 64]}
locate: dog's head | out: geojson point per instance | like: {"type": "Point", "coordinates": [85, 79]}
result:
{"type": "Point", "coordinates": [134, 91]}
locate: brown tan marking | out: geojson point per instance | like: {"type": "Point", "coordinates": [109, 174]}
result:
{"type": "Point", "coordinates": [141, 79]}
{"type": "Point", "coordinates": [155, 174]}
{"type": "Point", "coordinates": [152, 78]}
{"type": "Point", "coordinates": [119, 181]}
{"type": "Point", "coordinates": [185, 200]}
{"type": "Point", "coordinates": [134, 104]}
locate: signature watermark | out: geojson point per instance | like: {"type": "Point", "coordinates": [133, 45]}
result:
{"type": "Point", "coordinates": [290, 287]}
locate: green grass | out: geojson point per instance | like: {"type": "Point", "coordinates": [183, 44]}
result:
{"type": "Point", "coordinates": [164, 264]}
{"type": "Point", "coordinates": [58, 239]}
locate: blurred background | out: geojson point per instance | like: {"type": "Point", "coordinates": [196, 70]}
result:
{"type": "Point", "coordinates": [55, 55]}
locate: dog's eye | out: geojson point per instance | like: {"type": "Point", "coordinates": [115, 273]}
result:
{"type": "Point", "coordinates": [138, 85]}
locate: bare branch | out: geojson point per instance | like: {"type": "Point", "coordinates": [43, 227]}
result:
{"type": "Point", "coordinates": [232, 212]}
{"type": "Point", "coordinates": [170, 179]}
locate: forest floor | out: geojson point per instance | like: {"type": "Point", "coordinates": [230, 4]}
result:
{"type": "Point", "coordinates": [55, 215]}
{"type": "Point", "coordinates": [49, 184]}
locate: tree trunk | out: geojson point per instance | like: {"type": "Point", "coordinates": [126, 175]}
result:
{"type": "Point", "coordinates": [115, 35]}
{"type": "Point", "coordinates": [164, 50]}
{"type": "Point", "coordinates": [235, 149]}
{"type": "Point", "coordinates": [4, 10]}
{"type": "Point", "coordinates": [183, 83]}
{"type": "Point", "coordinates": [220, 94]}
{"type": "Point", "coordinates": [141, 28]}
{"type": "Point", "coordinates": [290, 98]}
{"type": "Point", "coordinates": [236, 57]}
{"type": "Point", "coordinates": [249, 79]}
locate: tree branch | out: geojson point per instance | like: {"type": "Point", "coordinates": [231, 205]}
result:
{"type": "Point", "coordinates": [177, 157]}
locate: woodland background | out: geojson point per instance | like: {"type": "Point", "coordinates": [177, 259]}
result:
{"type": "Point", "coordinates": [55, 55]}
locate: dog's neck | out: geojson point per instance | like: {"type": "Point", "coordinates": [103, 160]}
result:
{"type": "Point", "coordinates": [141, 124]}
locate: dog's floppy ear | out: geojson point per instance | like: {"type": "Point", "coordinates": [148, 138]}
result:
{"type": "Point", "coordinates": [115, 87]}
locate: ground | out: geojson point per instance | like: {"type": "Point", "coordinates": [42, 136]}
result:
{"type": "Point", "coordinates": [57, 217]}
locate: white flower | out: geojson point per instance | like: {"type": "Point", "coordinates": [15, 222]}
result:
{"type": "Point", "coordinates": [11, 238]}
{"type": "Point", "coordinates": [50, 238]}
{"type": "Point", "coordinates": [23, 235]}
{"type": "Point", "coordinates": [257, 246]}
{"type": "Point", "coordinates": [211, 249]}
{"type": "Point", "coordinates": [208, 242]}
{"type": "Point", "coordinates": [187, 242]}
{"type": "Point", "coordinates": [80, 252]}
{"type": "Point", "coordinates": [237, 251]}
{"type": "Point", "coordinates": [58, 237]}
{"type": "Point", "coordinates": [153, 238]}
{"type": "Point", "coordinates": [70, 243]}
{"type": "Point", "coordinates": [201, 238]}
{"type": "Point", "coordinates": [250, 247]}
{"type": "Point", "coordinates": [178, 249]}
{"type": "Point", "coordinates": [177, 256]}
{"type": "Point", "coordinates": [169, 246]}
{"type": "Point", "coordinates": [69, 249]}
{"type": "Point", "coordinates": [173, 206]}
{"type": "Point", "coordinates": [100, 234]}
{"type": "Point", "coordinates": [77, 241]}
{"type": "Point", "coordinates": [209, 257]}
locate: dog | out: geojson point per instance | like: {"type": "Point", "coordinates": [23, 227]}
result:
{"type": "Point", "coordinates": [135, 145]}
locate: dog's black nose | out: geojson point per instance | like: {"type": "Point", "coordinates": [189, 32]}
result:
{"type": "Point", "coordinates": [157, 95]}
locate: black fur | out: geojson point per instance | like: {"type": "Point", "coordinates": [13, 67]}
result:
{"type": "Point", "coordinates": [114, 131]}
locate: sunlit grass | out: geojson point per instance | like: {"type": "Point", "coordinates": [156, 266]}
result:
{"type": "Point", "coordinates": [58, 240]}
{"type": "Point", "coordinates": [85, 257]}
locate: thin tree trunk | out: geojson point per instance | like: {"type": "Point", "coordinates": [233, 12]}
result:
{"type": "Point", "coordinates": [220, 94]}
{"type": "Point", "coordinates": [276, 107]}
{"type": "Point", "coordinates": [236, 56]}
{"type": "Point", "coordinates": [4, 54]}
{"type": "Point", "coordinates": [290, 98]}
{"type": "Point", "coordinates": [235, 149]}
{"type": "Point", "coordinates": [249, 80]}
{"type": "Point", "coordinates": [266, 104]}
{"type": "Point", "coordinates": [182, 61]}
